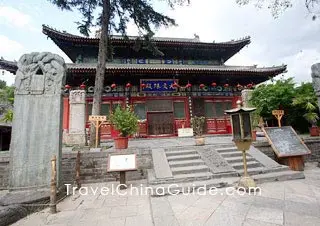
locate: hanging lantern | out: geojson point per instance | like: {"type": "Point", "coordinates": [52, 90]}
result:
{"type": "Point", "coordinates": [128, 85]}
{"type": "Point", "coordinates": [226, 85]}
{"type": "Point", "coordinates": [142, 85]}
{"type": "Point", "coordinates": [175, 85]}
{"type": "Point", "coordinates": [201, 86]}
{"type": "Point", "coordinates": [188, 85]}
{"type": "Point", "coordinates": [82, 86]}
{"type": "Point", "coordinates": [213, 84]}
{"type": "Point", "coordinates": [67, 86]}
{"type": "Point", "coordinates": [113, 86]}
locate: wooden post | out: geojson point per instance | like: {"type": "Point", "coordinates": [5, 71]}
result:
{"type": "Point", "coordinates": [78, 171]}
{"type": "Point", "coordinates": [53, 193]}
{"type": "Point", "coordinates": [278, 114]}
{"type": "Point", "coordinates": [122, 179]}
{"type": "Point", "coordinates": [97, 121]}
{"type": "Point", "coordinates": [97, 133]}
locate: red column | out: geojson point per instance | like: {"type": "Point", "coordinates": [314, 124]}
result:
{"type": "Point", "coordinates": [65, 113]}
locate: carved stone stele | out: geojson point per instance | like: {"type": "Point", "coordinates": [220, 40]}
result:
{"type": "Point", "coordinates": [37, 121]}
{"type": "Point", "coordinates": [246, 95]}
{"type": "Point", "coordinates": [77, 121]}
{"type": "Point", "coordinates": [315, 74]}
{"type": "Point", "coordinates": [40, 73]}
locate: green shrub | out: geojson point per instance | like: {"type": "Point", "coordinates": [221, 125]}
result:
{"type": "Point", "coordinates": [125, 121]}
{"type": "Point", "coordinates": [198, 125]}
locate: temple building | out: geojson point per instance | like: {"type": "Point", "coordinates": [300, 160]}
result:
{"type": "Point", "coordinates": [166, 90]}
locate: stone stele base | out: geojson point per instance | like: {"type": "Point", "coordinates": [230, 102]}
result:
{"type": "Point", "coordinates": [74, 139]}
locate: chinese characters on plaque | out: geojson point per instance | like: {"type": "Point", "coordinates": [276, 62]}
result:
{"type": "Point", "coordinates": [158, 85]}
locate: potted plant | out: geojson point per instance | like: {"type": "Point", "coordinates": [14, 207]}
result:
{"type": "Point", "coordinates": [198, 128]}
{"type": "Point", "coordinates": [310, 105]}
{"type": "Point", "coordinates": [125, 121]}
{"type": "Point", "coordinates": [312, 118]}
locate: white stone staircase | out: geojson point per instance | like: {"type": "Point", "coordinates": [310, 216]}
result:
{"type": "Point", "coordinates": [256, 168]}
{"type": "Point", "coordinates": [185, 168]}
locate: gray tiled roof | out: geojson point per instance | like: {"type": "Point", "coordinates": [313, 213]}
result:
{"type": "Point", "coordinates": [161, 39]}
{"type": "Point", "coordinates": [178, 67]}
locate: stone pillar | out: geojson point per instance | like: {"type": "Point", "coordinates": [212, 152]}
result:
{"type": "Point", "coordinates": [246, 96]}
{"type": "Point", "coordinates": [77, 118]}
{"type": "Point", "coordinates": [315, 74]}
{"type": "Point", "coordinates": [37, 121]}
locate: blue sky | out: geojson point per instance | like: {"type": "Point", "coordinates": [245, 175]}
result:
{"type": "Point", "coordinates": [291, 39]}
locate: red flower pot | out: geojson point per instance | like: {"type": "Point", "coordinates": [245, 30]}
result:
{"type": "Point", "coordinates": [254, 135]}
{"type": "Point", "coordinates": [314, 131]}
{"type": "Point", "coordinates": [121, 142]}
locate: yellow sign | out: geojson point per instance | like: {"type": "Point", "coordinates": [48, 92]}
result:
{"type": "Point", "coordinates": [278, 114]}
{"type": "Point", "coordinates": [97, 121]}
{"type": "Point", "coordinates": [97, 118]}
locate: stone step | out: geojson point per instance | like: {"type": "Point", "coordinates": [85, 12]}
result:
{"type": "Point", "coordinates": [189, 187]}
{"type": "Point", "coordinates": [179, 149]}
{"type": "Point", "coordinates": [262, 170]}
{"type": "Point", "coordinates": [250, 165]}
{"type": "Point", "coordinates": [194, 162]}
{"type": "Point", "coordinates": [231, 154]}
{"type": "Point", "coordinates": [182, 152]}
{"type": "Point", "coordinates": [227, 149]}
{"type": "Point", "coordinates": [278, 176]}
{"type": "Point", "coordinates": [239, 159]}
{"type": "Point", "coordinates": [189, 169]}
{"type": "Point", "coordinates": [183, 157]}
{"type": "Point", "coordinates": [181, 178]}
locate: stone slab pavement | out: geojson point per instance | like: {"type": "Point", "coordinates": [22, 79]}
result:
{"type": "Point", "coordinates": [288, 203]}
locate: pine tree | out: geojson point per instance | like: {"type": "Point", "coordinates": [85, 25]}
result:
{"type": "Point", "coordinates": [114, 16]}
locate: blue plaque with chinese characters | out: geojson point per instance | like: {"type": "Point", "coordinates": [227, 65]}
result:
{"type": "Point", "coordinates": [141, 61]}
{"type": "Point", "coordinates": [157, 85]}
{"type": "Point", "coordinates": [168, 61]}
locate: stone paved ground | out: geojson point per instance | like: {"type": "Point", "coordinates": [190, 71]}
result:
{"type": "Point", "coordinates": [287, 203]}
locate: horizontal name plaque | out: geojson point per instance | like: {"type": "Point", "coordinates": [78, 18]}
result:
{"type": "Point", "coordinates": [158, 85]}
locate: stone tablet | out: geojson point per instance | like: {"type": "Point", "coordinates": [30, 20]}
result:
{"type": "Point", "coordinates": [285, 141]}
{"type": "Point", "coordinates": [37, 121]}
{"type": "Point", "coordinates": [315, 74]}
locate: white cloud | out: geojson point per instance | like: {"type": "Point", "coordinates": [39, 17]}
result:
{"type": "Point", "coordinates": [291, 39]}
{"type": "Point", "coordinates": [10, 48]}
{"type": "Point", "coordinates": [14, 17]}
{"type": "Point", "coordinates": [7, 76]}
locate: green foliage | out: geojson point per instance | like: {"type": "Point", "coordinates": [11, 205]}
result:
{"type": "Point", "coordinates": [125, 121]}
{"type": "Point", "coordinates": [306, 101]}
{"type": "Point", "coordinates": [3, 84]}
{"type": "Point", "coordinates": [299, 103]}
{"type": "Point", "coordinates": [198, 125]}
{"type": "Point", "coordinates": [141, 12]}
{"type": "Point", "coordinates": [277, 95]}
{"type": "Point", "coordinates": [8, 116]}
{"type": "Point", "coordinates": [279, 6]}
{"type": "Point", "coordinates": [7, 94]}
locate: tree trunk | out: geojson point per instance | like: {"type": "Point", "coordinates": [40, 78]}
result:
{"type": "Point", "coordinates": [101, 67]}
